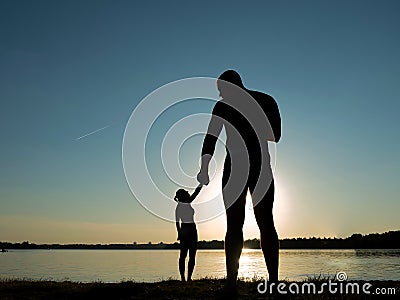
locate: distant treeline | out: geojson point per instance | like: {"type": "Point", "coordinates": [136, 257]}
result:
{"type": "Point", "coordinates": [387, 240]}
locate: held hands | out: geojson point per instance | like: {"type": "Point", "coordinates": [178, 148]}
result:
{"type": "Point", "coordinates": [203, 178]}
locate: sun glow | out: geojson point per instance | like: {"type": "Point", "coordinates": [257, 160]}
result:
{"type": "Point", "coordinates": [281, 212]}
{"type": "Point", "coordinates": [215, 228]}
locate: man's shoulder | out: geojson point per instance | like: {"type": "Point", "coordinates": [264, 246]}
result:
{"type": "Point", "coordinates": [219, 107]}
{"type": "Point", "coordinates": [260, 95]}
{"type": "Point", "coordinates": [263, 99]}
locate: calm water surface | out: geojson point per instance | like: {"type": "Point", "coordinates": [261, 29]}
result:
{"type": "Point", "coordinates": [153, 265]}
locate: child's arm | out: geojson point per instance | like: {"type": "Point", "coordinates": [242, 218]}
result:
{"type": "Point", "coordinates": [195, 193]}
{"type": "Point", "coordinates": [178, 227]}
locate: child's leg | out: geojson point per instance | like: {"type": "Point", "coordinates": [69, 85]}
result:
{"type": "Point", "coordinates": [192, 258]}
{"type": "Point", "coordinates": [182, 258]}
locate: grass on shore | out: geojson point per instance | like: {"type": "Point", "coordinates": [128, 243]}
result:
{"type": "Point", "coordinates": [206, 288]}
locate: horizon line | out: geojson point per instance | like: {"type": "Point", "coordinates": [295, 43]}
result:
{"type": "Point", "coordinates": [215, 240]}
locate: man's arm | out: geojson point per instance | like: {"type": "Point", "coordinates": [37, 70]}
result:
{"type": "Point", "coordinates": [213, 131]}
{"type": "Point", "coordinates": [276, 122]}
{"type": "Point", "coordinates": [274, 118]}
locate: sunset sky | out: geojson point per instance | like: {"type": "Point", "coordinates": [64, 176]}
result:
{"type": "Point", "coordinates": [69, 68]}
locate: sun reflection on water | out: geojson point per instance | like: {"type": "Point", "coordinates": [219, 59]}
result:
{"type": "Point", "coordinates": [251, 265]}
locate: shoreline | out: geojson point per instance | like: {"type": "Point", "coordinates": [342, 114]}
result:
{"type": "Point", "coordinates": [206, 288]}
{"type": "Point", "coordinates": [208, 249]}
{"type": "Point", "coordinates": [386, 240]}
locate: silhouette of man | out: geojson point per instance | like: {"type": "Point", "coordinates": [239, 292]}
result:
{"type": "Point", "coordinates": [250, 119]}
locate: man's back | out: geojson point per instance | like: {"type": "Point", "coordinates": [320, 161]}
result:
{"type": "Point", "coordinates": [271, 110]}
{"type": "Point", "coordinates": [245, 116]}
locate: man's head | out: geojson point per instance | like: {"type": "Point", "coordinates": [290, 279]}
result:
{"type": "Point", "coordinates": [231, 76]}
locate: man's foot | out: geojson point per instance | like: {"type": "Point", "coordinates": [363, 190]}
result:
{"type": "Point", "coordinates": [183, 279]}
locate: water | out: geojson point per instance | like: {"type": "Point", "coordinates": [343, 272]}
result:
{"type": "Point", "coordinates": [154, 265]}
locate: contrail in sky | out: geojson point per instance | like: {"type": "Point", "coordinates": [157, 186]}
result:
{"type": "Point", "coordinates": [90, 133]}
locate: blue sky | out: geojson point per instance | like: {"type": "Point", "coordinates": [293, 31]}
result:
{"type": "Point", "coordinates": [69, 68]}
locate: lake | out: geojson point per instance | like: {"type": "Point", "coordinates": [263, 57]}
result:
{"type": "Point", "coordinates": [154, 265]}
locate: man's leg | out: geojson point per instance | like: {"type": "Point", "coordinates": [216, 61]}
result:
{"type": "Point", "coordinates": [269, 236]}
{"type": "Point", "coordinates": [234, 190]}
{"type": "Point", "coordinates": [234, 237]}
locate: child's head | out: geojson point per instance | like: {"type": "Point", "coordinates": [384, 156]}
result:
{"type": "Point", "coordinates": [182, 195]}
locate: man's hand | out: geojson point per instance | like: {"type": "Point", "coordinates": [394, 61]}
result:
{"type": "Point", "coordinates": [203, 178]}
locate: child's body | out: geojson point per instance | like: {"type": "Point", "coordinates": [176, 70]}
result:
{"type": "Point", "coordinates": [187, 231]}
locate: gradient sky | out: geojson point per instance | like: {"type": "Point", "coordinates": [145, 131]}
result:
{"type": "Point", "coordinates": [68, 68]}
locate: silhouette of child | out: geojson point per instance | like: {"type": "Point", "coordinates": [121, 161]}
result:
{"type": "Point", "coordinates": [186, 227]}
